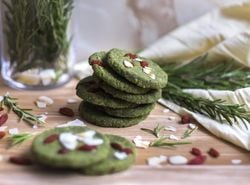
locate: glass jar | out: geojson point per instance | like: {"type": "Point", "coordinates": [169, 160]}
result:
{"type": "Point", "coordinates": [35, 43]}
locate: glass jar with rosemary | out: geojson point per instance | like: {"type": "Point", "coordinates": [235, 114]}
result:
{"type": "Point", "coordinates": [35, 43]}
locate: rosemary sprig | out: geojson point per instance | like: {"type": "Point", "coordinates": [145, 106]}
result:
{"type": "Point", "coordinates": [222, 76]}
{"type": "Point", "coordinates": [188, 133]}
{"type": "Point", "coordinates": [161, 142]}
{"type": "Point", "coordinates": [19, 138]}
{"type": "Point", "coordinates": [23, 114]}
{"type": "Point", "coordinates": [216, 109]}
{"type": "Point", "coordinates": [156, 131]}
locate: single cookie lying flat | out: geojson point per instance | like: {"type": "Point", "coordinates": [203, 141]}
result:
{"type": "Point", "coordinates": [70, 147]}
{"type": "Point", "coordinates": [140, 71]}
{"type": "Point", "coordinates": [139, 110]}
{"type": "Point", "coordinates": [103, 72]}
{"type": "Point", "coordinates": [150, 97]}
{"type": "Point", "coordinates": [89, 91]}
{"type": "Point", "coordinates": [121, 157]}
{"type": "Point", "coordinates": [94, 115]}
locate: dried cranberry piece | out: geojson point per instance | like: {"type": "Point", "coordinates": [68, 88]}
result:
{"type": "Point", "coordinates": [144, 64]}
{"type": "Point", "coordinates": [116, 146]}
{"type": "Point", "coordinates": [63, 151]}
{"type": "Point", "coordinates": [66, 111]}
{"type": "Point", "coordinates": [198, 160]}
{"type": "Point", "coordinates": [185, 119]}
{"type": "Point", "coordinates": [87, 147]}
{"type": "Point", "coordinates": [131, 55]}
{"type": "Point", "coordinates": [51, 139]}
{"type": "Point", "coordinates": [2, 134]}
{"type": "Point", "coordinates": [213, 153]}
{"type": "Point", "coordinates": [97, 62]}
{"type": "Point", "coordinates": [127, 151]}
{"type": "Point", "coordinates": [196, 151]}
{"type": "Point", "coordinates": [20, 160]}
{"type": "Point", "coordinates": [3, 119]}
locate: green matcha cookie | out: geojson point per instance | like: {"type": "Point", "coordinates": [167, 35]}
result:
{"type": "Point", "coordinates": [121, 157]}
{"type": "Point", "coordinates": [140, 71]}
{"type": "Point", "coordinates": [140, 110]}
{"type": "Point", "coordinates": [89, 91]}
{"type": "Point", "coordinates": [106, 74]}
{"type": "Point", "coordinates": [70, 147]}
{"type": "Point", "coordinates": [94, 115]}
{"type": "Point", "coordinates": [150, 97]}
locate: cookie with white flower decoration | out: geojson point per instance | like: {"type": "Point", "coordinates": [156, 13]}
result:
{"type": "Point", "coordinates": [121, 156]}
{"type": "Point", "coordinates": [69, 147]}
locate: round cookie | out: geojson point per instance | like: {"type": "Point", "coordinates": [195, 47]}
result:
{"type": "Point", "coordinates": [48, 149]}
{"type": "Point", "coordinates": [140, 71]}
{"type": "Point", "coordinates": [150, 97]}
{"type": "Point", "coordinates": [94, 115]}
{"type": "Point", "coordinates": [103, 72]}
{"type": "Point", "coordinates": [140, 110]}
{"type": "Point", "coordinates": [89, 91]}
{"type": "Point", "coordinates": [112, 164]}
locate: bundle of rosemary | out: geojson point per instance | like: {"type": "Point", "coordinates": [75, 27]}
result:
{"type": "Point", "coordinates": [36, 34]}
{"type": "Point", "coordinates": [199, 75]}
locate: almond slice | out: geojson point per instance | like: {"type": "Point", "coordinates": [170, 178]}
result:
{"type": "Point", "coordinates": [192, 126]}
{"type": "Point", "coordinates": [170, 128]}
{"type": "Point", "coordinates": [72, 101]}
{"type": "Point", "coordinates": [120, 155]}
{"type": "Point", "coordinates": [178, 160]}
{"type": "Point", "coordinates": [156, 161]}
{"type": "Point", "coordinates": [13, 131]}
{"type": "Point", "coordinates": [141, 143]}
{"type": "Point", "coordinates": [173, 137]}
{"type": "Point", "coordinates": [46, 99]}
{"type": "Point", "coordinates": [68, 140]}
{"type": "Point", "coordinates": [41, 105]}
{"type": "Point", "coordinates": [146, 70]}
{"type": "Point", "coordinates": [128, 64]}
{"type": "Point", "coordinates": [236, 161]}
{"type": "Point", "coordinates": [152, 76]}
{"type": "Point", "coordinates": [138, 59]}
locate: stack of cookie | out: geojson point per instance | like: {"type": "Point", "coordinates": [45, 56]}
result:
{"type": "Point", "coordinates": [83, 149]}
{"type": "Point", "coordinates": [123, 89]}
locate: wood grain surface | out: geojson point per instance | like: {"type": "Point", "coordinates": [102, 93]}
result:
{"type": "Point", "coordinates": [215, 171]}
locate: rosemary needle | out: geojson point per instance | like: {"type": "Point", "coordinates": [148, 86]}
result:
{"type": "Point", "coordinates": [19, 138]}
{"type": "Point", "coordinates": [188, 133]}
{"type": "Point", "coordinates": [161, 142]}
{"type": "Point", "coordinates": [156, 131]}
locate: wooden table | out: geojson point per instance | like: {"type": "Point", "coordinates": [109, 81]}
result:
{"type": "Point", "coordinates": [215, 171]}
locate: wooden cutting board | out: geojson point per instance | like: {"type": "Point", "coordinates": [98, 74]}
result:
{"type": "Point", "coordinates": [214, 170]}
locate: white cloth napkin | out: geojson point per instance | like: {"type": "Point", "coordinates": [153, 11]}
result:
{"type": "Point", "coordinates": [223, 34]}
